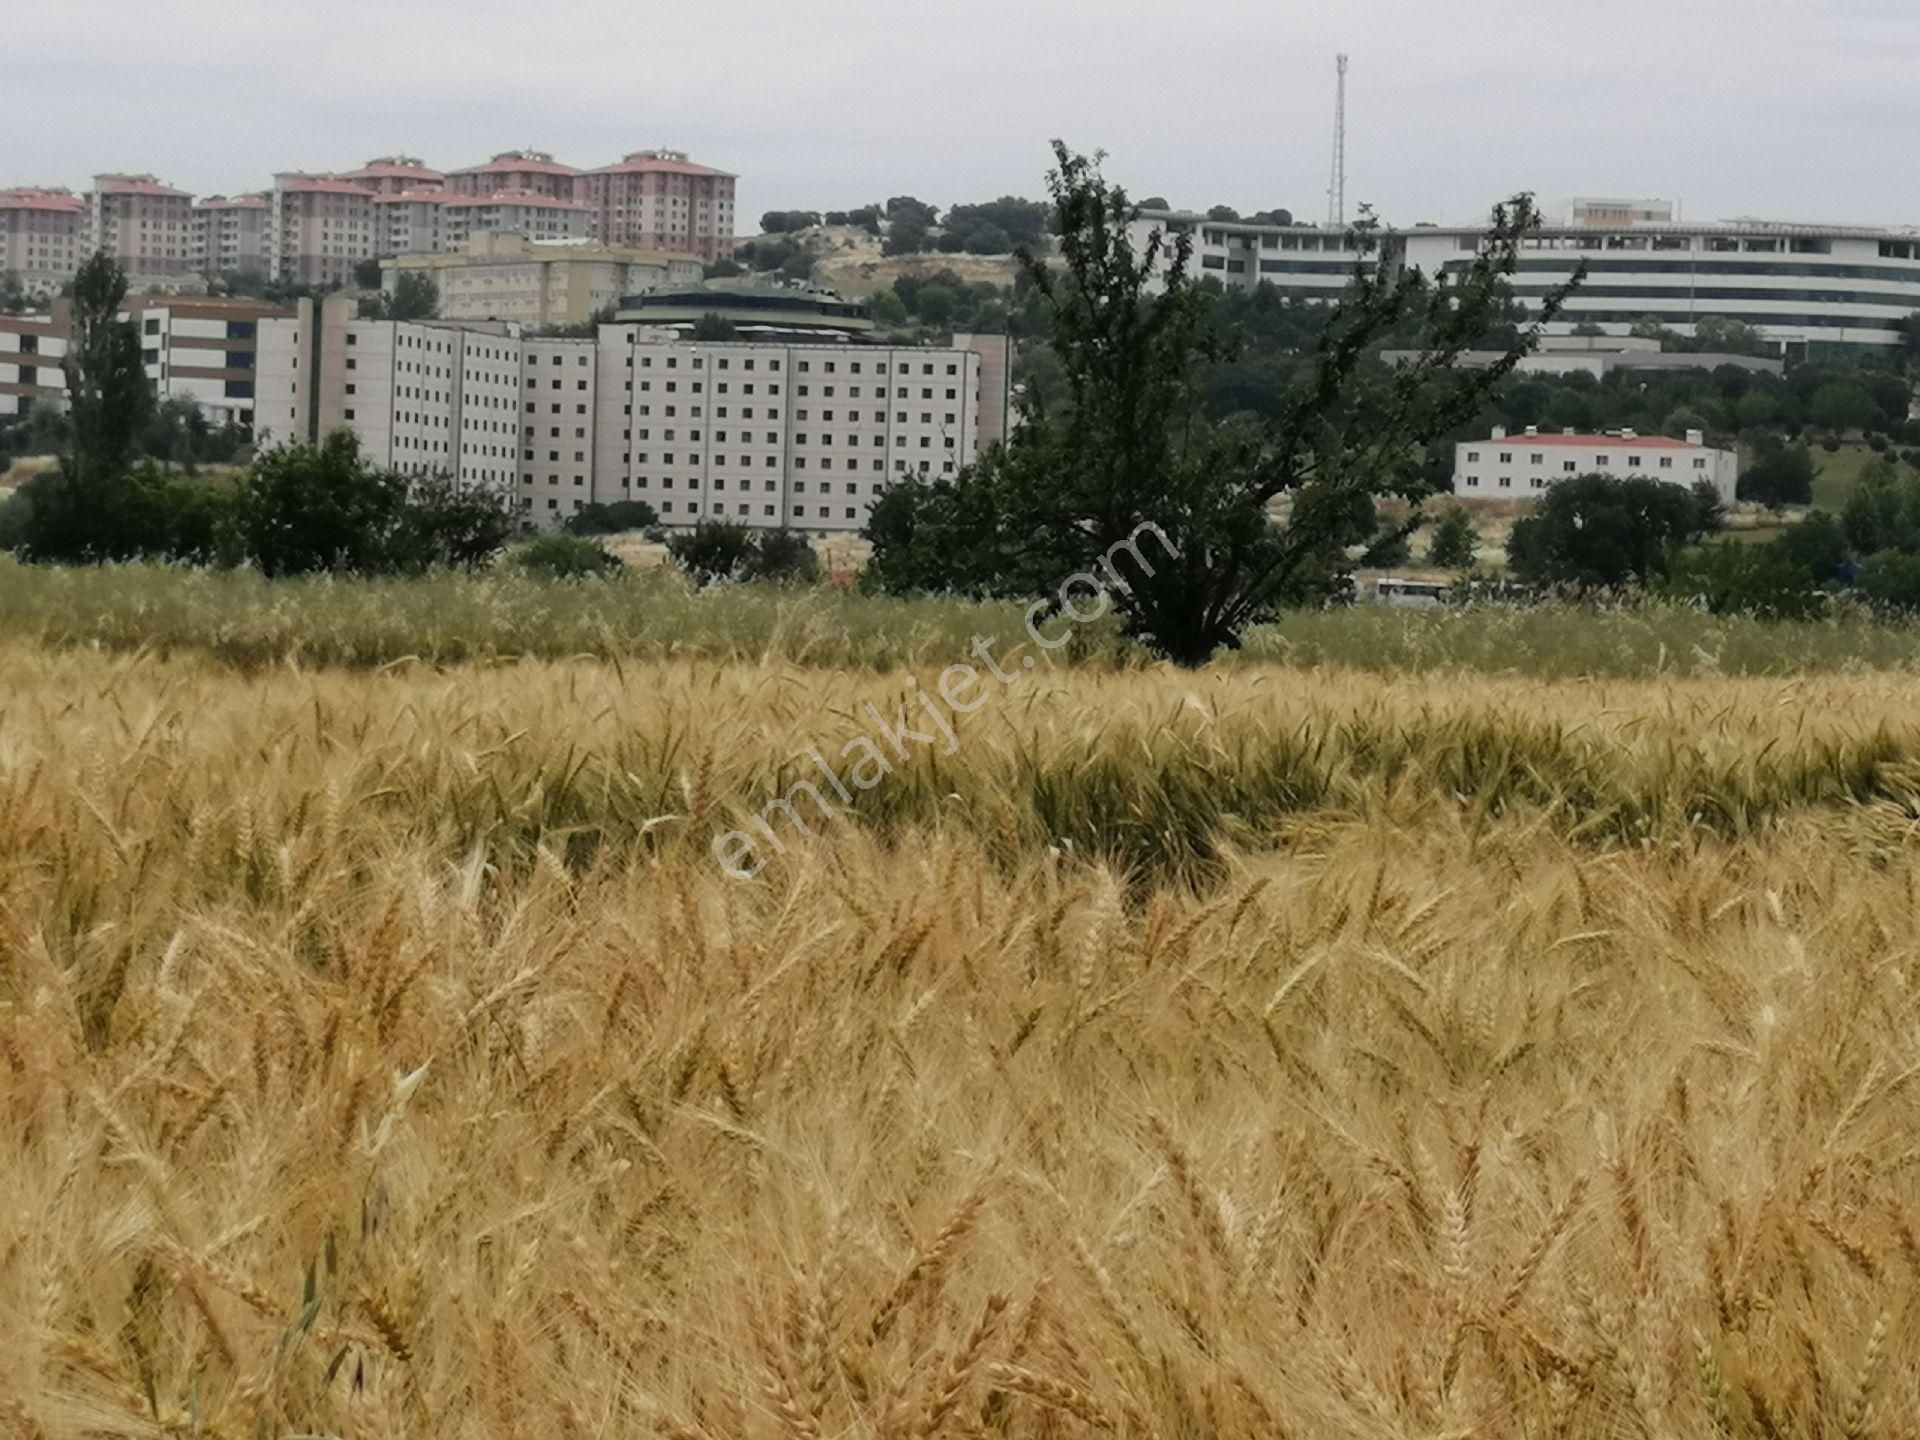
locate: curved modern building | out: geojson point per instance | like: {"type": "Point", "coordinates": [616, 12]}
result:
{"type": "Point", "coordinates": [1815, 289]}
{"type": "Point", "coordinates": [752, 310]}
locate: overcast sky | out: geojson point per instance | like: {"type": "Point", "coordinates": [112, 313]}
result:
{"type": "Point", "coordinates": [1791, 109]}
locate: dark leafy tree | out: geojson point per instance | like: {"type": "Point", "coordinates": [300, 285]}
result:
{"type": "Point", "coordinates": [784, 222]}
{"type": "Point", "coordinates": [1452, 545]}
{"type": "Point", "coordinates": [109, 397]}
{"type": "Point", "coordinates": [1818, 545]}
{"type": "Point", "coordinates": [1841, 405]}
{"type": "Point", "coordinates": [612, 519]}
{"type": "Point", "coordinates": [784, 556]}
{"type": "Point", "coordinates": [366, 274]}
{"type": "Point", "coordinates": [1596, 532]}
{"type": "Point", "coordinates": [724, 269]}
{"type": "Point", "coordinates": [714, 327]}
{"type": "Point", "coordinates": [1125, 476]}
{"type": "Point", "coordinates": [326, 508]}
{"type": "Point", "coordinates": [84, 510]}
{"type": "Point", "coordinates": [1883, 512]}
{"type": "Point", "coordinates": [441, 525]}
{"type": "Point", "coordinates": [1222, 213]}
{"type": "Point", "coordinates": [713, 550]}
{"type": "Point", "coordinates": [1779, 475]}
{"type": "Point", "coordinates": [1891, 580]}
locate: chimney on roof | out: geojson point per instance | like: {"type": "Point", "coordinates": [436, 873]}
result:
{"type": "Point", "coordinates": [1696, 437]}
{"type": "Point", "coordinates": [1499, 432]}
{"type": "Point", "coordinates": [1532, 430]}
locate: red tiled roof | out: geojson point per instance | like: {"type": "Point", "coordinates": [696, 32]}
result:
{"type": "Point", "coordinates": [387, 168]}
{"type": "Point", "coordinates": [135, 185]}
{"type": "Point", "coordinates": [31, 198]}
{"type": "Point", "coordinates": [1592, 442]}
{"type": "Point", "coordinates": [644, 161]}
{"type": "Point", "coordinates": [321, 184]}
{"type": "Point", "coordinates": [519, 160]}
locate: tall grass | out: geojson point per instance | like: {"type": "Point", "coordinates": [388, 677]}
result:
{"type": "Point", "coordinates": [250, 623]}
{"type": "Point", "coordinates": [345, 1090]}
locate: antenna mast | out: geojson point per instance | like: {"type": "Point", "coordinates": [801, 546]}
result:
{"type": "Point", "coordinates": [1337, 186]}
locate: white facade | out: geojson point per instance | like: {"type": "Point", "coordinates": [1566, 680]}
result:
{"type": "Point", "coordinates": [767, 435]}
{"type": "Point", "coordinates": [1303, 262]}
{"type": "Point", "coordinates": [1520, 467]}
{"type": "Point", "coordinates": [1817, 290]}
{"type": "Point", "coordinates": [32, 348]}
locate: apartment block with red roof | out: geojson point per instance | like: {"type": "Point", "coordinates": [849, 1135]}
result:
{"type": "Point", "coordinates": [230, 234]}
{"type": "Point", "coordinates": [318, 228]}
{"type": "Point", "coordinates": [532, 171]}
{"type": "Point", "coordinates": [42, 237]}
{"type": "Point", "coordinates": [1521, 467]}
{"type": "Point", "coordinates": [660, 200]}
{"type": "Point", "coordinates": [143, 224]}
{"type": "Point", "coordinates": [394, 175]}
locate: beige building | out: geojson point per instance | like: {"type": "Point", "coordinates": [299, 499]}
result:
{"type": "Point", "coordinates": [318, 227]}
{"type": "Point", "coordinates": [230, 234]}
{"type": "Point", "coordinates": [660, 200]}
{"type": "Point", "coordinates": [42, 232]}
{"type": "Point", "coordinates": [508, 276]}
{"type": "Point", "coordinates": [146, 226]}
{"type": "Point", "coordinates": [765, 434]}
{"type": "Point", "coordinates": [533, 171]}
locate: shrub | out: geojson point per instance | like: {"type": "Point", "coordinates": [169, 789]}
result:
{"type": "Point", "coordinates": [324, 507]}
{"type": "Point", "coordinates": [565, 557]}
{"type": "Point", "coordinates": [1736, 578]}
{"type": "Point", "coordinates": [786, 556]}
{"type": "Point", "coordinates": [1817, 544]}
{"type": "Point", "coordinates": [713, 550]}
{"type": "Point", "coordinates": [612, 519]}
{"type": "Point", "coordinates": [1891, 580]}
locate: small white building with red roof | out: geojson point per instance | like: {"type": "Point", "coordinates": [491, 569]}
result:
{"type": "Point", "coordinates": [1521, 466]}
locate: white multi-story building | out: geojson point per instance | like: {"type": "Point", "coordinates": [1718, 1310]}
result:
{"type": "Point", "coordinates": [794, 434]}
{"type": "Point", "coordinates": [1520, 467]}
{"type": "Point", "coordinates": [32, 348]}
{"type": "Point", "coordinates": [1816, 289]}
{"type": "Point", "coordinates": [194, 347]}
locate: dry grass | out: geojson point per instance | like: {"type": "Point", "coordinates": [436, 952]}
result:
{"type": "Point", "coordinates": [345, 1090]}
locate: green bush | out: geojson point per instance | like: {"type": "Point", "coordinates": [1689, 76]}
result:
{"type": "Point", "coordinates": [1890, 580]}
{"type": "Point", "coordinates": [565, 557]}
{"type": "Point", "coordinates": [1736, 578]}
{"type": "Point", "coordinates": [713, 550]}
{"type": "Point", "coordinates": [612, 519]}
{"type": "Point", "coordinates": [784, 555]}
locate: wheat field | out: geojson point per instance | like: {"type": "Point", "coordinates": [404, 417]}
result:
{"type": "Point", "coordinates": [1261, 1052]}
